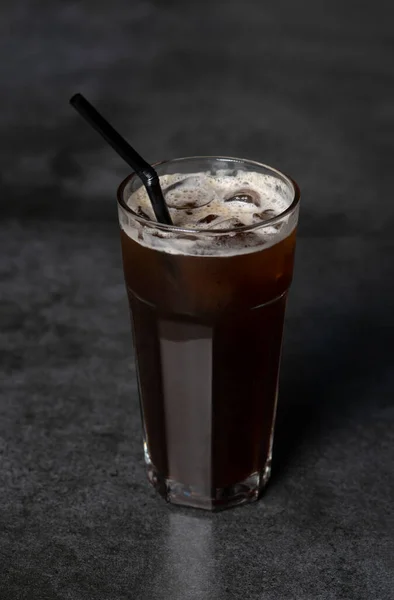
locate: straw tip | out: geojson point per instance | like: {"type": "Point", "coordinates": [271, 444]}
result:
{"type": "Point", "coordinates": [75, 99]}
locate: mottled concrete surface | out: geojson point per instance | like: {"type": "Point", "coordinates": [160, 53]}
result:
{"type": "Point", "coordinates": [306, 86]}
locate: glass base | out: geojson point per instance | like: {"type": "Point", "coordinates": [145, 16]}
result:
{"type": "Point", "coordinates": [243, 492]}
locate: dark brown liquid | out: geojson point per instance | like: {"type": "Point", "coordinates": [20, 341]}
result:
{"type": "Point", "coordinates": [208, 333]}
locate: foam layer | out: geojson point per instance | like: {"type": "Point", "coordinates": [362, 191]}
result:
{"type": "Point", "coordinates": [207, 202]}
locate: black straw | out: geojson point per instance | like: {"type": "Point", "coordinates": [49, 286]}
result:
{"type": "Point", "coordinates": [145, 171]}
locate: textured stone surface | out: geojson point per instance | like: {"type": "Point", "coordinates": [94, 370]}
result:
{"type": "Point", "coordinates": [304, 86]}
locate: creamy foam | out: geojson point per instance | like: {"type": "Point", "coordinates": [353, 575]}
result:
{"type": "Point", "coordinates": [206, 201]}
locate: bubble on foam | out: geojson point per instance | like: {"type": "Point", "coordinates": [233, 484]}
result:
{"type": "Point", "coordinates": [215, 201]}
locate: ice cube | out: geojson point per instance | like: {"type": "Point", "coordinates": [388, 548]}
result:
{"type": "Point", "coordinates": [207, 219]}
{"type": "Point", "coordinates": [190, 193]}
{"type": "Point", "coordinates": [263, 215]}
{"type": "Point", "coordinates": [246, 195]}
{"type": "Point", "coordinates": [239, 239]}
{"type": "Point", "coordinates": [141, 213]}
{"type": "Point", "coordinates": [232, 223]}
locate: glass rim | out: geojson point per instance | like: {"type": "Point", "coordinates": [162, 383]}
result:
{"type": "Point", "coordinates": [194, 230]}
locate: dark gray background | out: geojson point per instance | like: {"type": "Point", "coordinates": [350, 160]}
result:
{"type": "Point", "coordinates": [306, 86]}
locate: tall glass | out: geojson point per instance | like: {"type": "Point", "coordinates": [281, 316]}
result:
{"type": "Point", "coordinates": [207, 329]}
